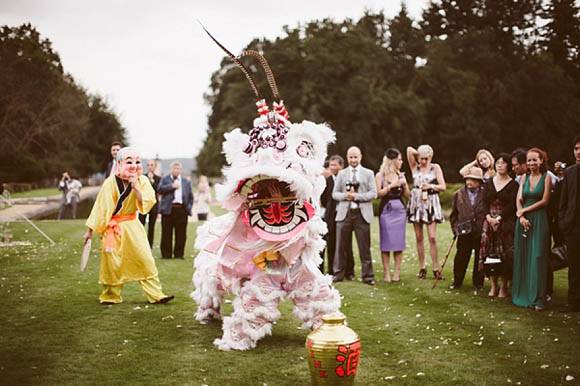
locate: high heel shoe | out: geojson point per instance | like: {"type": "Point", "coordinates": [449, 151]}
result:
{"type": "Point", "coordinates": [422, 274]}
{"type": "Point", "coordinates": [438, 275]}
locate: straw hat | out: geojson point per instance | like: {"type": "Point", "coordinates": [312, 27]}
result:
{"type": "Point", "coordinates": [475, 173]}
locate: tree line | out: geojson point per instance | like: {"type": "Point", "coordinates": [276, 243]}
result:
{"type": "Point", "coordinates": [48, 122]}
{"type": "Point", "coordinates": [471, 74]}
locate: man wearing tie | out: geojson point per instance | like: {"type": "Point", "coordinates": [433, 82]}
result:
{"type": "Point", "coordinates": [175, 207]}
{"type": "Point", "coordinates": [154, 179]}
{"type": "Point", "coordinates": [354, 189]}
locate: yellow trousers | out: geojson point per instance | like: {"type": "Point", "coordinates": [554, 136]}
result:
{"type": "Point", "coordinates": [151, 288]}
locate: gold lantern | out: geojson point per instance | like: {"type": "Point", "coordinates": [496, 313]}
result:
{"type": "Point", "coordinates": [333, 351]}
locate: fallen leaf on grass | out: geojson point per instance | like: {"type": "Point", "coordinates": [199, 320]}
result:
{"type": "Point", "coordinates": [168, 317]}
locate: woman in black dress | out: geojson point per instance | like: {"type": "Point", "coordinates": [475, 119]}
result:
{"type": "Point", "coordinates": [497, 239]}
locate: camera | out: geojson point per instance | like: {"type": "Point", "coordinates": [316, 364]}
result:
{"type": "Point", "coordinates": [350, 186]}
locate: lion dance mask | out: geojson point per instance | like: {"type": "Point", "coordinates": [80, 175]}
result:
{"type": "Point", "coordinates": [267, 248]}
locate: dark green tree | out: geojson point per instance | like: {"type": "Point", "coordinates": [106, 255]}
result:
{"type": "Point", "coordinates": [46, 119]}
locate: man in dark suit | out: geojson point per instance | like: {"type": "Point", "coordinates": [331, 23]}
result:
{"type": "Point", "coordinates": [175, 207]}
{"type": "Point", "coordinates": [569, 220]}
{"type": "Point", "coordinates": [335, 164]}
{"type": "Point", "coordinates": [154, 179]}
{"type": "Point", "coordinates": [468, 208]}
{"type": "Point", "coordinates": [115, 147]}
{"type": "Point", "coordinates": [354, 190]}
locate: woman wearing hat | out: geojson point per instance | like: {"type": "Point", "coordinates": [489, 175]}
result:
{"type": "Point", "coordinates": [497, 239]}
{"type": "Point", "coordinates": [467, 214]}
{"type": "Point", "coordinates": [424, 206]}
{"type": "Point", "coordinates": [391, 188]}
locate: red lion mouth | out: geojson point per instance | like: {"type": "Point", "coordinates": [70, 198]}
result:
{"type": "Point", "coordinates": [274, 213]}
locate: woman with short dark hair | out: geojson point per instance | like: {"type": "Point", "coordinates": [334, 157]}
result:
{"type": "Point", "coordinates": [497, 239]}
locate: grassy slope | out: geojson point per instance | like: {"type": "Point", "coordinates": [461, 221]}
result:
{"type": "Point", "coordinates": [54, 332]}
{"type": "Point", "coordinates": [44, 192]}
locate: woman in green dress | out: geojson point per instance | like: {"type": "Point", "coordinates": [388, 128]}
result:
{"type": "Point", "coordinates": [532, 234]}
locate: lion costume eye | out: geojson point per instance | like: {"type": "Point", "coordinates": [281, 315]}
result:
{"type": "Point", "coordinates": [305, 150]}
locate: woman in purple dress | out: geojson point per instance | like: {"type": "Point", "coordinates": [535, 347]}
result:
{"type": "Point", "coordinates": [391, 188]}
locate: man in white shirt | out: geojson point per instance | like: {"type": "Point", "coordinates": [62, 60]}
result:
{"type": "Point", "coordinates": [175, 207]}
{"type": "Point", "coordinates": [355, 190]}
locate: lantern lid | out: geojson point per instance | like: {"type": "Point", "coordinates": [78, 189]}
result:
{"type": "Point", "coordinates": [334, 318]}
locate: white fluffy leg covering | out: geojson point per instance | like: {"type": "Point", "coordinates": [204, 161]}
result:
{"type": "Point", "coordinates": [254, 311]}
{"type": "Point", "coordinates": [208, 293]}
{"type": "Point", "coordinates": [314, 296]}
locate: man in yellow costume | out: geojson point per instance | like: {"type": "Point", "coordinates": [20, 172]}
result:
{"type": "Point", "coordinates": [125, 252]}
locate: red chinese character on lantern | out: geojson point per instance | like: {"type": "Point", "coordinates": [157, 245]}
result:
{"type": "Point", "coordinates": [322, 374]}
{"type": "Point", "coordinates": [317, 363]}
{"type": "Point", "coordinates": [349, 357]}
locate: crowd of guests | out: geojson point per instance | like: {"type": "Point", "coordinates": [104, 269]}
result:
{"type": "Point", "coordinates": [506, 215]}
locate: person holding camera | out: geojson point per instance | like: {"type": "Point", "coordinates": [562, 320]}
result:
{"type": "Point", "coordinates": [63, 186]}
{"type": "Point", "coordinates": [354, 190]}
{"type": "Point", "coordinates": [467, 214]}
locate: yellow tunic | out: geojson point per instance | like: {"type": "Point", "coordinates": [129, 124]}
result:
{"type": "Point", "coordinates": [131, 259]}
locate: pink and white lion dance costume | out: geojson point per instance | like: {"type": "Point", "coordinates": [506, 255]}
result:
{"type": "Point", "coordinates": [267, 248]}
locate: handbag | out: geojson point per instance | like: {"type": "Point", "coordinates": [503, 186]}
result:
{"type": "Point", "coordinates": [559, 257]}
{"type": "Point", "coordinates": [463, 228]}
{"type": "Point", "coordinates": [493, 265]}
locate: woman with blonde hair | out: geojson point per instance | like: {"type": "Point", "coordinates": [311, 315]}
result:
{"type": "Point", "coordinates": [483, 160]}
{"type": "Point", "coordinates": [424, 206]}
{"type": "Point", "coordinates": [391, 187]}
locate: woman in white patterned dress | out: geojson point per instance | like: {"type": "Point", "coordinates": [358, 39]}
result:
{"type": "Point", "coordinates": [424, 206]}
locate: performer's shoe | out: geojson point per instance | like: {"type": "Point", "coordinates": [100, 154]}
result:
{"type": "Point", "coordinates": [370, 282]}
{"type": "Point", "coordinates": [336, 280]}
{"type": "Point", "coordinates": [108, 303]}
{"type": "Point", "coordinates": [350, 277]}
{"type": "Point", "coordinates": [437, 275]}
{"type": "Point", "coordinates": [166, 299]}
{"type": "Point", "coordinates": [570, 308]}
{"type": "Point", "coordinates": [454, 287]}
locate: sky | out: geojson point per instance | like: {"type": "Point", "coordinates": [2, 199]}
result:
{"type": "Point", "coordinates": [151, 60]}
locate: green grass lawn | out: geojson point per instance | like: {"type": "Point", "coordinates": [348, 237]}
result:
{"type": "Point", "coordinates": [54, 332]}
{"type": "Point", "coordinates": [43, 192]}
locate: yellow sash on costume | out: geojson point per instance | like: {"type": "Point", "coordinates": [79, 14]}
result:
{"type": "Point", "coordinates": [261, 259]}
{"type": "Point", "coordinates": [113, 229]}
